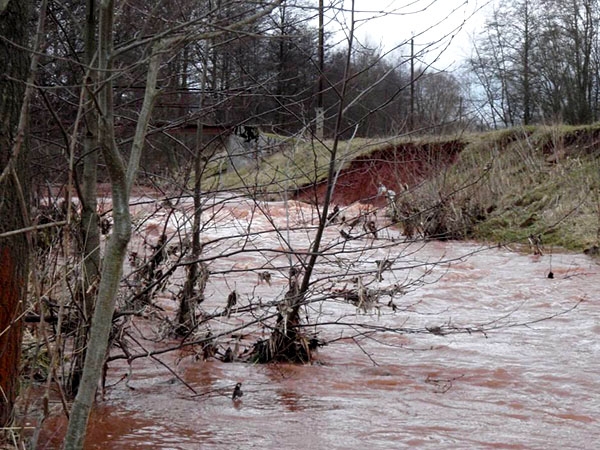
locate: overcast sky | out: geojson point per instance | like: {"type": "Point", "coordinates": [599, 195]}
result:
{"type": "Point", "coordinates": [391, 22]}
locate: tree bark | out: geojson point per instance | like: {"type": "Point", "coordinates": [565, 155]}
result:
{"type": "Point", "coordinates": [13, 265]}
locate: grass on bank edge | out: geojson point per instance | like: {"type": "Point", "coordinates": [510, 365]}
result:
{"type": "Point", "coordinates": [510, 184]}
{"type": "Point", "coordinates": [505, 185]}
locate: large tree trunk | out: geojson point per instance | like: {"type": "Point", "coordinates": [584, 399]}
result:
{"type": "Point", "coordinates": [13, 264]}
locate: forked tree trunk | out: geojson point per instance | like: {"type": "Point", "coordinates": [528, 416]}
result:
{"type": "Point", "coordinates": [122, 178]}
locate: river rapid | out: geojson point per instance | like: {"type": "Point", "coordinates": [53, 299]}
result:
{"type": "Point", "coordinates": [484, 350]}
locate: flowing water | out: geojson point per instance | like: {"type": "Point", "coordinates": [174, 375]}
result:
{"type": "Point", "coordinates": [493, 375]}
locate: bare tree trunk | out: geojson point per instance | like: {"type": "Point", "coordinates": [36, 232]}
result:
{"type": "Point", "coordinates": [526, 63]}
{"type": "Point", "coordinates": [331, 172]}
{"type": "Point", "coordinates": [89, 217]}
{"type": "Point", "coordinates": [122, 179]}
{"type": "Point", "coordinates": [197, 275]}
{"type": "Point", "coordinates": [14, 250]}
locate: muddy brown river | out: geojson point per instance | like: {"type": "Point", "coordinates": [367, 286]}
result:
{"type": "Point", "coordinates": [467, 360]}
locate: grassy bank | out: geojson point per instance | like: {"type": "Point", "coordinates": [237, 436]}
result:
{"type": "Point", "coordinates": [508, 185]}
{"type": "Point", "coordinates": [503, 186]}
{"type": "Point", "coordinates": [292, 164]}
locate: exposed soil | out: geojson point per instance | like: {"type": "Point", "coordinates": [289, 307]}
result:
{"type": "Point", "coordinates": [393, 166]}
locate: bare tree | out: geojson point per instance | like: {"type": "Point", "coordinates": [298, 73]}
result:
{"type": "Point", "coordinates": [535, 61]}
{"type": "Point", "coordinates": [235, 65]}
{"type": "Point", "coordinates": [122, 177]}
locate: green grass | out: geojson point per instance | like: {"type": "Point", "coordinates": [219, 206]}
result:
{"type": "Point", "coordinates": [542, 180]}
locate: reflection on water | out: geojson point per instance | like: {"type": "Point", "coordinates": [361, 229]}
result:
{"type": "Point", "coordinates": [508, 387]}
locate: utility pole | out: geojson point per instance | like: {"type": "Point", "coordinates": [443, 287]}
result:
{"type": "Point", "coordinates": [411, 118]}
{"type": "Point", "coordinates": [320, 113]}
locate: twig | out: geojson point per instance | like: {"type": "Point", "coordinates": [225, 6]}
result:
{"type": "Point", "coordinates": [365, 352]}
{"type": "Point", "coordinates": [32, 228]}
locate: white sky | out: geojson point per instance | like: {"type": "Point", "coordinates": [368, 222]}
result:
{"type": "Point", "coordinates": [392, 22]}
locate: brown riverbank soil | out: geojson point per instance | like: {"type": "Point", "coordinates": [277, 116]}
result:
{"type": "Point", "coordinates": [392, 166]}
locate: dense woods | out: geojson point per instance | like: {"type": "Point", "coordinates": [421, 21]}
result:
{"type": "Point", "coordinates": [124, 96]}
